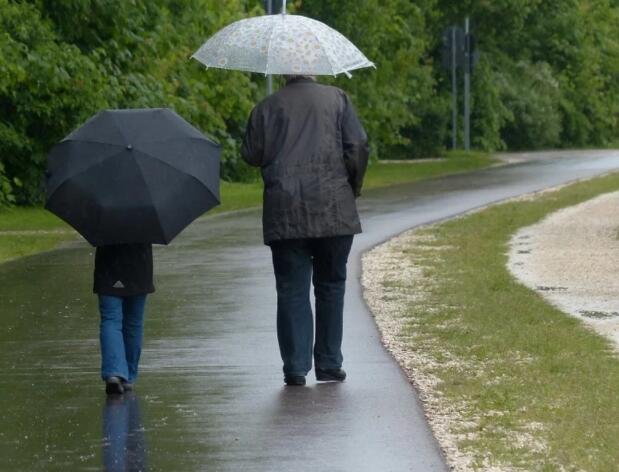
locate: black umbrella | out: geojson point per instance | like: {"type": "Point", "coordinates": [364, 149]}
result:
{"type": "Point", "coordinates": [133, 176]}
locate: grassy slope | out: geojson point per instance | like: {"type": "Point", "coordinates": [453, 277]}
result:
{"type": "Point", "coordinates": [519, 362]}
{"type": "Point", "coordinates": [50, 230]}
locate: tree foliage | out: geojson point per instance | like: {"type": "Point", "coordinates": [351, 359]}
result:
{"type": "Point", "coordinates": [393, 99]}
{"type": "Point", "coordinates": [547, 77]}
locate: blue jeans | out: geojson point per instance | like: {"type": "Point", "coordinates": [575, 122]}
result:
{"type": "Point", "coordinates": [298, 263]}
{"type": "Point", "coordinates": [121, 332]}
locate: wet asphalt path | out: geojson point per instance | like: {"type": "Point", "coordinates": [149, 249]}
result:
{"type": "Point", "coordinates": [210, 396]}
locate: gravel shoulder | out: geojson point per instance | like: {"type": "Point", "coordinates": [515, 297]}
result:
{"type": "Point", "coordinates": [572, 259]}
{"type": "Point", "coordinates": [569, 258]}
{"type": "Point", "coordinates": [384, 278]}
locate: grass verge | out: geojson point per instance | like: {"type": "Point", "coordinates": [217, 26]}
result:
{"type": "Point", "coordinates": [25, 231]}
{"type": "Point", "coordinates": [386, 174]}
{"type": "Point", "coordinates": [236, 196]}
{"type": "Point", "coordinates": [515, 383]}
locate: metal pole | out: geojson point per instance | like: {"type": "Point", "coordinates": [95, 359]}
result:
{"type": "Point", "coordinates": [467, 87]}
{"type": "Point", "coordinates": [454, 92]}
{"type": "Point", "coordinates": [269, 77]}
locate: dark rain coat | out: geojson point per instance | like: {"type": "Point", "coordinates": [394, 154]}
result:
{"type": "Point", "coordinates": [124, 270]}
{"type": "Point", "coordinates": [313, 153]}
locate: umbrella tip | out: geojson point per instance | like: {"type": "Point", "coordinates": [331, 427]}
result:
{"type": "Point", "coordinates": [129, 147]}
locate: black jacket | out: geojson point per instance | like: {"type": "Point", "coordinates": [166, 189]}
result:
{"type": "Point", "coordinates": [124, 270]}
{"type": "Point", "coordinates": [313, 153]}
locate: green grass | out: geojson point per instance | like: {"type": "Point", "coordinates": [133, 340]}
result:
{"type": "Point", "coordinates": [384, 175]}
{"type": "Point", "coordinates": [29, 219]}
{"type": "Point", "coordinates": [516, 364]}
{"type": "Point", "coordinates": [14, 246]}
{"type": "Point", "coordinates": [26, 231]}
{"type": "Point", "coordinates": [238, 196]}
{"type": "Point", "coordinates": [234, 196]}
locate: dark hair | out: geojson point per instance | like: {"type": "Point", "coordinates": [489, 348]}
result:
{"type": "Point", "coordinates": [288, 78]}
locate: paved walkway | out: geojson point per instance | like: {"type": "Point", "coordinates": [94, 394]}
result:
{"type": "Point", "coordinates": [211, 395]}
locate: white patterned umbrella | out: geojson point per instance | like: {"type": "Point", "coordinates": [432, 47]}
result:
{"type": "Point", "coordinates": [282, 44]}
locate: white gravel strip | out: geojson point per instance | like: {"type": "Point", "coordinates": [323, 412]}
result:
{"type": "Point", "coordinates": [387, 277]}
{"type": "Point", "coordinates": [578, 251]}
{"type": "Point", "coordinates": [572, 258]}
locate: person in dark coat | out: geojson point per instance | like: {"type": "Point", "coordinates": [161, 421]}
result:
{"type": "Point", "coordinates": [123, 276]}
{"type": "Point", "coordinates": [313, 152]}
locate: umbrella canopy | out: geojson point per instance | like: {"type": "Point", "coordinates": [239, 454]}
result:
{"type": "Point", "coordinates": [133, 176]}
{"type": "Point", "coordinates": [282, 44]}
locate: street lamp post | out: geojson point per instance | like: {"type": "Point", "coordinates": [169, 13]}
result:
{"type": "Point", "coordinates": [454, 90]}
{"type": "Point", "coordinates": [467, 86]}
{"type": "Point", "coordinates": [269, 9]}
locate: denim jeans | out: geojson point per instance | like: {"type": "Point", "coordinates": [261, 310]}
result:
{"type": "Point", "coordinates": [297, 263]}
{"type": "Point", "coordinates": [121, 331]}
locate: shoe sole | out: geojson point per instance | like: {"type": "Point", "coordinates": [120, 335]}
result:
{"type": "Point", "coordinates": [329, 378]}
{"type": "Point", "coordinates": [113, 388]}
{"type": "Point", "coordinates": [295, 383]}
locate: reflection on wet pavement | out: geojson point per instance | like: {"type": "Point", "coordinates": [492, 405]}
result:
{"type": "Point", "coordinates": [123, 447]}
{"type": "Point", "coordinates": [210, 392]}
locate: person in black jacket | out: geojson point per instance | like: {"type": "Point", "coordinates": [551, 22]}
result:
{"type": "Point", "coordinates": [313, 152]}
{"type": "Point", "coordinates": [123, 277]}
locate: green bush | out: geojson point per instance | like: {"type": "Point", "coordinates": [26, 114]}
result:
{"type": "Point", "coordinates": [532, 95]}
{"type": "Point", "coordinates": [6, 189]}
{"type": "Point", "coordinates": [547, 76]}
{"type": "Point", "coordinates": [393, 98]}
{"type": "Point", "coordinates": [46, 88]}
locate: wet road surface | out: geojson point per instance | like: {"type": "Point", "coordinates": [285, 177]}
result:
{"type": "Point", "coordinates": [210, 396]}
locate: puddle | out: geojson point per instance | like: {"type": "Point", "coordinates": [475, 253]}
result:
{"type": "Point", "coordinates": [599, 315]}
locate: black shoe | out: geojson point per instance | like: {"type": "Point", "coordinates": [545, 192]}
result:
{"type": "Point", "coordinates": [114, 386]}
{"type": "Point", "coordinates": [294, 380]}
{"type": "Point", "coordinates": [326, 375]}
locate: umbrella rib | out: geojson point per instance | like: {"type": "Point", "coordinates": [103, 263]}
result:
{"type": "Point", "coordinates": [315, 33]}
{"type": "Point", "coordinates": [225, 34]}
{"type": "Point", "coordinates": [64, 182]}
{"type": "Point", "coordinates": [266, 70]}
{"type": "Point", "coordinates": [222, 44]}
{"type": "Point", "coordinates": [149, 193]}
{"type": "Point", "coordinates": [178, 170]}
{"type": "Point", "coordinates": [120, 128]}
{"type": "Point", "coordinates": [48, 207]}
{"type": "Point", "coordinates": [93, 141]}
{"type": "Point", "coordinates": [109, 156]}
{"type": "Point", "coordinates": [192, 138]}
{"type": "Point", "coordinates": [361, 63]}
{"type": "Point", "coordinates": [159, 159]}
{"type": "Point", "coordinates": [122, 146]}
{"type": "Point", "coordinates": [217, 199]}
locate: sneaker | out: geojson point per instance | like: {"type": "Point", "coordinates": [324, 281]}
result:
{"type": "Point", "coordinates": [330, 375]}
{"type": "Point", "coordinates": [114, 386]}
{"type": "Point", "coordinates": [294, 380]}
